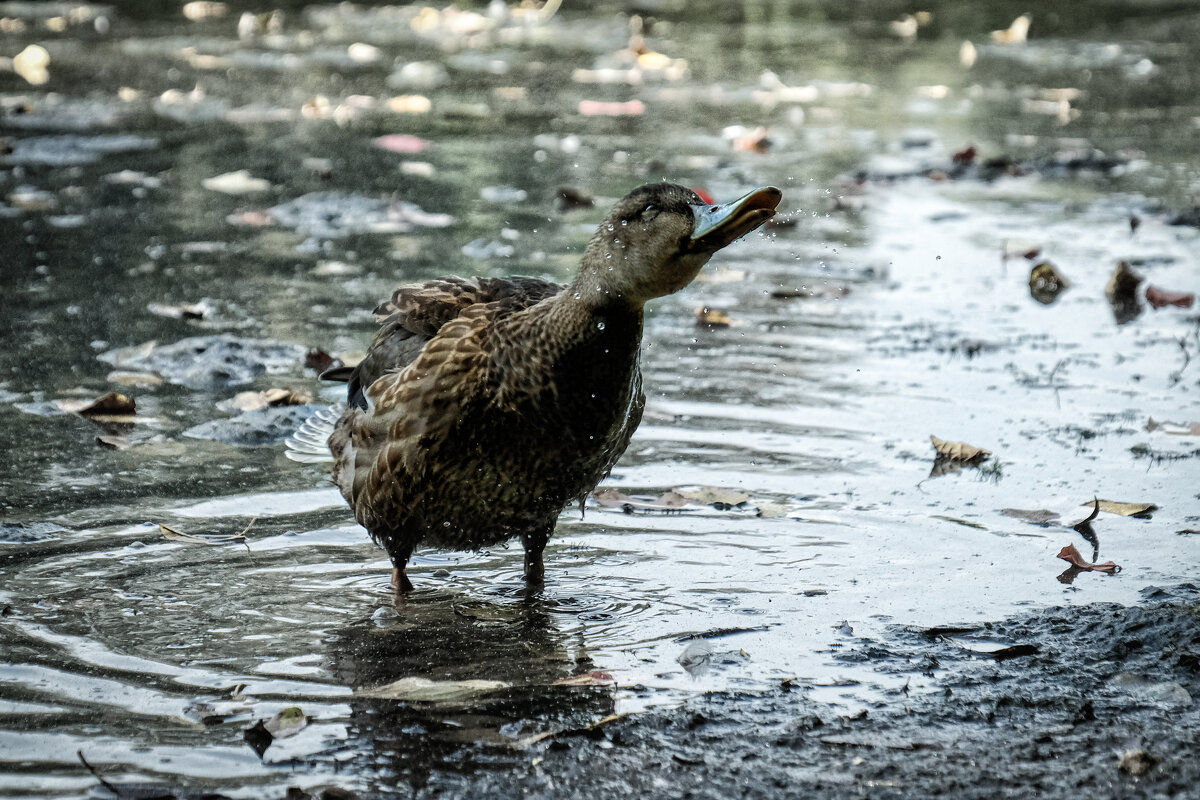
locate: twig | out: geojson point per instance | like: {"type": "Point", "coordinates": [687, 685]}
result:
{"type": "Point", "coordinates": [97, 775]}
{"type": "Point", "coordinates": [539, 737]}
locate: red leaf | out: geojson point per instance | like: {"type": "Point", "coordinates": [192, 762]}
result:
{"type": "Point", "coordinates": [1160, 297]}
{"type": "Point", "coordinates": [1071, 555]}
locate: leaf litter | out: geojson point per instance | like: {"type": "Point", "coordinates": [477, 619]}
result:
{"type": "Point", "coordinates": [174, 535]}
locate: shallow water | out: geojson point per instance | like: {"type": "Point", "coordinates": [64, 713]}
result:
{"type": "Point", "coordinates": [153, 657]}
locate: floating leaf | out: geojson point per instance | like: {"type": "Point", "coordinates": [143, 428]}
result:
{"type": "Point", "coordinates": [237, 182]}
{"type": "Point", "coordinates": [611, 498]}
{"type": "Point", "coordinates": [401, 143]}
{"type": "Point", "coordinates": [1159, 298]}
{"type": "Point", "coordinates": [1039, 516]}
{"type": "Point", "coordinates": [424, 690]}
{"type": "Point", "coordinates": [269, 398]}
{"type": "Point", "coordinates": [1073, 557]}
{"type": "Point", "coordinates": [130, 378]}
{"type": "Point", "coordinates": [595, 677]}
{"type": "Point", "coordinates": [182, 311]}
{"type": "Point", "coordinates": [172, 535]}
{"type": "Point", "coordinates": [112, 407]}
{"type": "Point", "coordinates": [288, 722]}
{"type": "Point", "coordinates": [1175, 428]}
{"type": "Point", "coordinates": [712, 318]}
{"type": "Point", "coordinates": [1046, 283]}
{"type": "Point", "coordinates": [1016, 33]}
{"type": "Point", "coordinates": [1126, 509]}
{"type": "Point", "coordinates": [600, 108]}
{"type": "Point", "coordinates": [714, 496]}
{"type": "Point", "coordinates": [960, 451]}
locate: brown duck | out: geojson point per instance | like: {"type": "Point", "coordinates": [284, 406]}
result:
{"type": "Point", "coordinates": [484, 407]}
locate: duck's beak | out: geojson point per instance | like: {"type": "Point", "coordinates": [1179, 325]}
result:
{"type": "Point", "coordinates": [717, 226]}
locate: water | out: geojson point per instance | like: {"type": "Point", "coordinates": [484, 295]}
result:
{"type": "Point", "coordinates": [153, 657]}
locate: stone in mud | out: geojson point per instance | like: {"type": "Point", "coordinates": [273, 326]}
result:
{"type": "Point", "coordinates": [210, 362]}
{"type": "Point", "coordinates": [263, 426]}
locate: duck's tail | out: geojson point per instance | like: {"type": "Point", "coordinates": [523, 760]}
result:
{"type": "Point", "coordinates": [310, 443]}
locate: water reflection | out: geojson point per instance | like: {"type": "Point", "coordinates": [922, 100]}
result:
{"type": "Point", "coordinates": [439, 637]}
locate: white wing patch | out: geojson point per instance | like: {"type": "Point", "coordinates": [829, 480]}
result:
{"type": "Point", "coordinates": [310, 443]}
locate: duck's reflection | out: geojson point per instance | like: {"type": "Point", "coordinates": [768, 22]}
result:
{"type": "Point", "coordinates": [448, 639]}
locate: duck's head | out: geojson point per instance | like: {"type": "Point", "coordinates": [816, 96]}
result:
{"type": "Point", "coordinates": [657, 238]}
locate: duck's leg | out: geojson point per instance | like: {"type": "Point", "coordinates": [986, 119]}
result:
{"type": "Point", "coordinates": [535, 543]}
{"type": "Point", "coordinates": [400, 581]}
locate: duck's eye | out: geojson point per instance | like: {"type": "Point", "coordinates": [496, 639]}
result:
{"type": "Point", "coordinates": [649, 212]}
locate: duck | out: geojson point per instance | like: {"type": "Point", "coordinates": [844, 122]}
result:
{"type": "Point", "coordinates": [484, 407]}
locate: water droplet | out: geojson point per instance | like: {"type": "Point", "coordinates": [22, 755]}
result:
{"type": "Point", "coordinates": [446, 524]}
{"type": "Point", "coordinates": [600, 326]}
{"type": "Point", "coordinates": [624, 223]}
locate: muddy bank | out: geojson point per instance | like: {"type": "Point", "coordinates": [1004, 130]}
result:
{"type": "Point", "coordinates": [1104, 680]}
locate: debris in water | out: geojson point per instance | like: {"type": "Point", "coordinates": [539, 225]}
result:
{"type": "Point", "coordinates": [960, 451]}
{"type": "Point", "coordinates": [1016, 33]}
{"type": "Point", "coordinates": [173, 535]}
{"type": "Point", "coordinates": [1075, 559]}
{"type": "Point", "coordinates": [712, 318]}
{"type": "Point", "coordinates": [1039, 516]}
{"type": "Point", "coordinates": [112, 407]}
{"type": "Point", "coordinates": [595, 677]}
{"type": "Point", "coordinates": [1160, 298]}
{"type": "Point", "coordinates": [1174, 428]}
{"type": "Point", "coordinates": [268, 398]}
{"type": "Point", "coordinates": [1046, 283]}
{"type": "Point", "coordinates": [1139, 510]}
{"type": "Point", "coordinates": [1121, 292]}
{"type": "Point", "coordinates": [423, 690]}
{"type": "Point", "coordinates": [1138, 762]}
{"type": "Point", "coordinates": [237, 182]}
{"type": "Point", "coordinates": [192, 311]}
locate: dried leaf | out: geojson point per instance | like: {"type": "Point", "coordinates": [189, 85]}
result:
{"type": "Point", "coordinates": [1175, 428]}
{"type": "Point", "coordinates": [1126, 509]}
{"type": "Point", "coordinates": [1073, 557]}
{"type": "Point", "coordinates": [237, 182]}
{"type": "Point", "coordinates": [401, 143]}
{"type": "Point", "coordinates": [712, 318]}
{"type": "Point", "coordinates": [595, 677]}
{"type": "Point", "coordinates": [269, 398]}
{"type": "Point", "coordinates": [115, 442]}
{"type": "Point", "coordinates": [112, 407]}
{"type": "Point", "coordinates": [1158, 298]}
{"type": "Point", "coordinates": [182, 311]}
{"type": "Point", "coordinates": [1122, 286]}
{"type": "Point", "coordinates": [1039, 516]}
{"type": "Point", "coordinates": [600, 108]}
{"type": "Point", "coordinates": [611, 498]}
{"type": "Point", "coordinates": [128, 378]}
{"type": "Point", "coordinates": [714, 496]}
{"type": "Point", "coordinates": [288, 722]}
{"type": "Point", "coordinates": [172, 535]}
{"type": "Point", "coordinates": [423, 690]}
{"type": "Point", "coordinates": [960, 451]}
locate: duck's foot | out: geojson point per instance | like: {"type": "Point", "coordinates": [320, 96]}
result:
{"type": "Point", "coordinates": [400, 581]}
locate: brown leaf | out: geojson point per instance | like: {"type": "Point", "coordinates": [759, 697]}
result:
{"type": "Point", "coordinates": [595, 677]}
{"type": "Point", "coordinates": [669, 501]}
{"type": "Point", "coordinates": [713, 496]}
{"type": "Point", "coordinates": [1126, 509]}
{"type": "Point", "coordinates": [712, 318]}
{"type": "Point", "coordinates": [269, 398]}
{"type": "Point", "coordinates": [1158, 298]}
{"type": "Point", "coordinates": [1073, 557]}
{"type": "Point", "coordinates": [1039, 516]}
{"type": "Point", "coordinates": [960, 451]}
{"type": "Point", "coordinates": [1122, 286]}
{"type": "Point", "coordinates": [112, 407]}
{"type": "Point", "coordinates": [128, 378]}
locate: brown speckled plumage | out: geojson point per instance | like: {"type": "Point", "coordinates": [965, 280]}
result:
{"type": "Point", "coordinates": [485, 406]}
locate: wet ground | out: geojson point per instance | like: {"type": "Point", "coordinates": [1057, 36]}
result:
{"type": "Point", "coordinates": [828, 626]}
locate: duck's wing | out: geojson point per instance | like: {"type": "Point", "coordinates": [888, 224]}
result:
{"type": "Point", "coordinates": [416, 312]}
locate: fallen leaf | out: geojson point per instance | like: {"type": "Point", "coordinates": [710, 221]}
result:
{"type": "Point", "coordinates": [401, 143]}
{"type": "Point", "coordinates": [960, 451]}
{"type": "Point", "coordinates": [1016, 33]}
{"type": "Point", "coordinates": [172, 535]}
{"type": "Point", "coordinates": [1073, 557]}
{"type": "Point", "coordinates": [288, 722]}
{"type": "Point", "coordinates": [112, 407]}
{"type": "Point", "coordinates": [237, 182]}
{"type": "Point", "coordinates": [115, 442]}
{"type": "Point", "coordinates": [611, 498]}
{"type": "Point", "coordinates": [1175, 428]}
{"type": "Point", "coordinates": [1121, 292]}
{"type": "Point", "coordinates": [183, 311]}
{"type": "Point", "coordinates": [1126, 509]}
{"type": "Point", "coordinates": [410, 104]}
{"type": "Point", "coordinates": [1046, 283]}
{"type": "Point", "coordinates": [1137, 762]}
{"type": "Point", "coordinates": [1039, 516]}
{"type": "Point", "coordinates": [965, 156]}
{"type": "Point", "coordinates": [723, 499]}
{"type": "Point", "coordinates": [712, 318]}
{"type": "Point", "coordinates": [1159, 298]}
{"type": "Point", "coordinates": [600, 108]}
{"type": "Point", "coordinates": [129, 378]}
{"type": "Point", "coordinates": [595, 677]}
{"type": "Point", "coordinates": [423, 690]}
{"type": "Point", "coordinates": [269, 398]}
